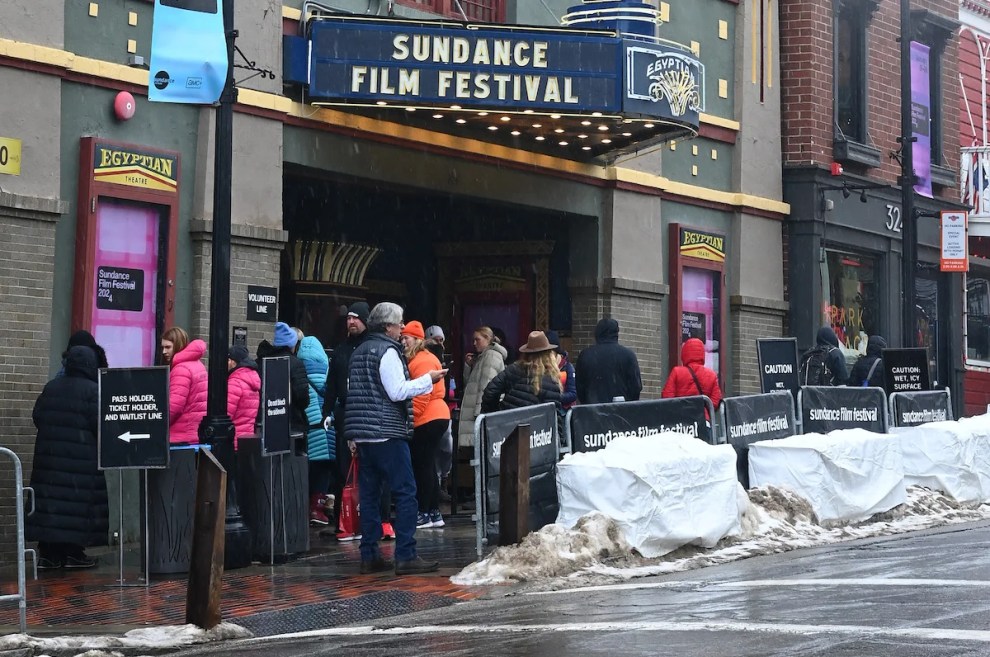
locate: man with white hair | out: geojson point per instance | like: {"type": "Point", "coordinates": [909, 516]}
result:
{"type": "Point", "coordinates": [379, 422]}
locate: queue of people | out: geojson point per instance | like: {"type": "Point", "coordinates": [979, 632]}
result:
{"type": "Point", "coordinates": [383, 397]}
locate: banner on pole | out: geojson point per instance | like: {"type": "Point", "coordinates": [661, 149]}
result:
{"type": "Point", "coordinates": [188, 52]}
{"type": "Point", "coordinates": [921, 102]}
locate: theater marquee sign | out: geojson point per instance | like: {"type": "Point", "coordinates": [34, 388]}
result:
{"type": "Point", "coordinates": [605, 92]}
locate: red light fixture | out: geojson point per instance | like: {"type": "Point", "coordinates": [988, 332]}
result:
{"type": "Point", "coordinates": [836, 169]}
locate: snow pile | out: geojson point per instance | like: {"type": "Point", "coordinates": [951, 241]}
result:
{"type": "Point", "coordinates": [169, 636]}
{"type": "Point", "coordinates": [554, 551]}
{"type": "Point", "coordinates": [774, 520]}
{"type": "Point", "coordinates": [663, 491]}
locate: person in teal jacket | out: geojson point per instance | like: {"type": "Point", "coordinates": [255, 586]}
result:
{"type": "Point", "coordinates": [320, 442]}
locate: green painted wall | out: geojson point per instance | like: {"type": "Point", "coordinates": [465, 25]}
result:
{"type": "Point", "coordinates": [715, 174]}
{"type": "Point", "coordinates": [105, 36]}
{"type": "Point", "coordinates": [88, 111]}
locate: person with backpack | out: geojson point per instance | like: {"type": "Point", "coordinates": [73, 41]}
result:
{"type": "Point", "coordinates": [824, 364]}
{"type": "Point", "coordinates": [868, 370]}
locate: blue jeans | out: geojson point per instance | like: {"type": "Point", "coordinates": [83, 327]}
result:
{"type": "Point", "coordinates": [387, 462]}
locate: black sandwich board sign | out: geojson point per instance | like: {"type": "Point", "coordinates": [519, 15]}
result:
{"type": "Point", "coordinates": [262, 303]}
{"type": "Point", "coordinates": [906, 370]}
{"type": "Point", "coordinates": [778, 358]}
{"type": "Point", "coordinates": [275, 403]}
{"type": "Point", "coordinates": [133, 428]}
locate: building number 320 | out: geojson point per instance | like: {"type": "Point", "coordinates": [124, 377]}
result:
{"type": "Point", "coordinates": [893, 218]}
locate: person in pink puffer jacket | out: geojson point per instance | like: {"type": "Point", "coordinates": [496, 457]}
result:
{"type": "Point", "coordinates": [243, 391]}
{"type": "Point", "coordinates": [187, 384]}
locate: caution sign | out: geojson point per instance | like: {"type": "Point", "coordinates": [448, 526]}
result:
{"type": "Point", "coordinates": [133, 431]}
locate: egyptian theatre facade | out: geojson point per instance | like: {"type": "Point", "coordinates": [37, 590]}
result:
{"type": "Point", "coordinates": [519, 164]}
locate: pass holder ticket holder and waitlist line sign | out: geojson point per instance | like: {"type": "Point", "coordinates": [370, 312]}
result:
{"type": "Point", "coordinates": [276, 400]}
{"type": "Point", "coordinates": [133, 435]}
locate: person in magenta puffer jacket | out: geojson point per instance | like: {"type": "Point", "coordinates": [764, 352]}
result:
{"type": "Point", "coordinates": [187, 384]}
{"type": "Point", "coordinates": [243, 391]}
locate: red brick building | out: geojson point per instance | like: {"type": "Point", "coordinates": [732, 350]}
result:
{"type": "Point", "coordinates": [840, 108]}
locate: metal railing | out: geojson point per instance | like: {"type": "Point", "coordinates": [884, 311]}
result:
{"type": "Point", "coordinates": [974, 180]}
{"type": "Point", "coordinates": [19, 490]}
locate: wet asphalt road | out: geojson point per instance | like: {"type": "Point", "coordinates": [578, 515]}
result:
{"type": "Point", "coordinates": [920, 594]}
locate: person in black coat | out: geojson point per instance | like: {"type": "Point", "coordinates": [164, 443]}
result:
{"type": "Point", "coordinates": [531, 380]}
{"type": "Point", "coordinates": [70, 492]}
{"type": "Point", "coordinates": [870, 366]}
{"type": "Point", "coordinates": [607, 370]}
{"type": "Point", "coordinates": [284, 344]}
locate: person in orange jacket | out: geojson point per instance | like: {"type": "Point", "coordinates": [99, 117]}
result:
{"type": "Point", "coordinates": [431, 417]}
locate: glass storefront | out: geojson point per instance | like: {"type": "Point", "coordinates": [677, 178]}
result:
{"type": "Point", "coordinates": [850, 299]}
{"type": "Point", "coordinates": [978, 315]}
{"type": "Point", "coordinates": [926, 299]}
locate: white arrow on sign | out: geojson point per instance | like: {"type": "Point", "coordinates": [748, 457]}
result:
{"type": "Point", "coordinates": [127, 436]}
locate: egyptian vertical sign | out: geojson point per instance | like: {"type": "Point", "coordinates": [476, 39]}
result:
{"type": "Point", "coordinates": [188, 52]}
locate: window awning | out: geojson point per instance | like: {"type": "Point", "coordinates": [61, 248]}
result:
{"type": "Point", "coordinates": [581, 95]}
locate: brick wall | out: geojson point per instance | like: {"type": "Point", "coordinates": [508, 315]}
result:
{"type": "Point", "coordinates": [28, 228]}
{"type": "Point", "coordinates": [806, 52]}
{"type": "Point", "coordinates": [750, 322]}
{"type": "Point", "coordinates": [640, 318]}
{"type": "Point", "coordinates": [255, 259]}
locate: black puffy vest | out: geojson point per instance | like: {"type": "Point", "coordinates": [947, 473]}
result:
{"type": "Point", "coordinates": [371, 415]}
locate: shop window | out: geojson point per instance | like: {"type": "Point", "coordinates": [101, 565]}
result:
{"type": "Point", "coordinates": [978, 316]}
{"type": "Point", "coordinates": [486, 11]}
{"type": "Point", "coordinates": [850, 299]}
{"type": "Point", "coordinates": [926, 314]}
{"type": "Point", "coordinates": [935, 32]}
{"type": "Point", "coordinates": [851, 107]}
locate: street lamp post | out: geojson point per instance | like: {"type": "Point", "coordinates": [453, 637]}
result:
{"type": "Point", "coordinates": [909, 224]}
{"type": "Point", "coordinates": [217, 427]}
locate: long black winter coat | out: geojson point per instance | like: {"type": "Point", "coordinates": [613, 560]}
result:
{"type": "Point", "coordinates": [335, 399]}
{"type": "Point", "coordinates": [607, 369]}
{"type": "Point", "coordinates": [70, 492]}
{"type": "Point", "coordinates": [513, 388]}
{"type": "Point", "coordinates": [874, 352]}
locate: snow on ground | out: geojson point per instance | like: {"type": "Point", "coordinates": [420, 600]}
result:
{"type": "Point", "coordinates": [157, 638]}
{"type": "Point", "coordinates": [773, 520]}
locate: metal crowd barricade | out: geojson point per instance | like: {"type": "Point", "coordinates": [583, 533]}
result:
{"type": "Point", "coordinates": [919, 395]}
{"type": "Point", "coordinates": [19, 489]}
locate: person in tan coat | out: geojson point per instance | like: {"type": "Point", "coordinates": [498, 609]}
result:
{"type": "Point", "coordinates": [480, 368]}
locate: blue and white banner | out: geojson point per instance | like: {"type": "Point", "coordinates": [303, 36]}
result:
{"type": "Point", "coordinates": [188, 52]}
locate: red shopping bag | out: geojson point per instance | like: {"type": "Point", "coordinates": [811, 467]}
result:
{"type": "Point", "coordinates": [350, 517]}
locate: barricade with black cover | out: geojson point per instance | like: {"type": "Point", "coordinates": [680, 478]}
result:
{"type": "Point", "coordinates": [825, 409]}
{"type": "Point", "coordinates": [491, 431]}
{"type": "Point", "coordinates": [593, 426]}
{"type": "Point", "coordinates": [911, 409]}
{"type": "Point", "coordinates": [752, 418]}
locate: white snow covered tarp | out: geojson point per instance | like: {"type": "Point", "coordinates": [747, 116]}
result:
{"type": "Point", "coordinates": [846, 475]}
{"type": "Point", "coordinates": [946, 456]}
{"type": "Point", "coordinates": [664, 491]}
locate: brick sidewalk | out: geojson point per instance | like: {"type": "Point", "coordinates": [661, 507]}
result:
{"type": "Point", "coordinates": [319, 589]}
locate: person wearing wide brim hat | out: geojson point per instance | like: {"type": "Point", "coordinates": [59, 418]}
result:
{"type": "Point", "coordinates": [531, 380]}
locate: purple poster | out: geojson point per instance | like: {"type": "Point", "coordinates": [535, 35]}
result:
{"type": "Point", "coordinates": [921, 103]}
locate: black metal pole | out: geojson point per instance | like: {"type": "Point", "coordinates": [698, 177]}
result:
{"type": "Point", "coordinates": [909, 223]}
{"type": "Point", "coordinates": [217, 427]}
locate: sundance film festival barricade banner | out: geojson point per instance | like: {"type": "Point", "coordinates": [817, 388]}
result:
{"type": "Point", "coordinates": [188, 52]}
{"type": "Point", "coordinates": [753, 418]}
{"type": "Point", "coordinates": [593, 426]}
{"type": "Point", "coordinates": [911, 409]}
{"type": "Point", "coordinates": [825, 409]}
{"type": "Point", "coordinates": [543, 452]}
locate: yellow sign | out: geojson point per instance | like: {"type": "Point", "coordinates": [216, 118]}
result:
{"type": "Point", "coordinates": [10, 156]}
{"type": "Point", "coordinates": [135, 168]}
{"type": "Point", "coordinates": [698, 244]}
